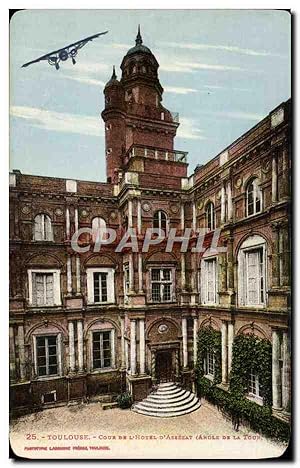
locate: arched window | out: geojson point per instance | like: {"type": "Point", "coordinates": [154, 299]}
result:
{"type": "Point", "coordinates": [253, 198]}
{"type": "Point", "coordinates": [160, 220]}
{"type": "Point", "coordinates": [43, 228]}
{"type": "Point", "coordinates": [210, 216]}
{"type": "Point", "coordinates": [99, 229]}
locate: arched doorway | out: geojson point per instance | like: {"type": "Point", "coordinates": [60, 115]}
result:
{"type": "Point", "coordinates": [164, 366]}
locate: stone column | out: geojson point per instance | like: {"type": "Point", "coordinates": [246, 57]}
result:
{"type": "Point", "coordinates": [195, 339]}
{"type": "Point", "coordinates": [69, 275]}
{"type": "Point", "coordinates": [274, 179]}
{"type": "Point", "coordinates": [153, 365]}
{"type": "Point", "coordinates": [80, 344]}
{"type": "Point", "coordinates": [182, 216]}
{"type": "Point", "coordinates": [182, 259]}
{"type": "Point", "coordinates": [230, 263]}
{"type": "Point", "coordinates": [285, 189]}
{"type": "Point", "coordinates": [71, 347]}
{"type": "Point", "coordinates": [222, 203]}
{"type": "Point", "coordinates": [285, 255]}
{"type": "Point", "coordinates": [68, 230]}
{"type": "Point", "coordinates": [194, 222]}
{"type": "Point", "coordinates": [275, 256]}
{"type": "Point", "coordinates": [230, 342]}
{"type": "Point", "coordinates": [78, 279]}
{"type": "Point", "coordinates": [12, 355]}
{"type": "Point", "coordinates": [132, 347]}
{"type": "Point", "coordinates": [127, 354]}
{"type": "Point", "coordinates": [286, 373]}
{"type": "Point", "coordinates": [139, 217]}
{"type": "Point", "coordinates": [21, 347]}
{"type": "Point", "coordinates": [76, 219]}
{"type": "Point", "coordinates": [131, 272]}
{"type": "Point", "coordinates": [184, 343]}
{"type": "Point", "coordinates": [130, 213]}
{"type": "Point", "coordinates": [229, 200]}
{"type": "Point", "coordinates": [276, 378]}
{"type": "Point", "coordinates": [224, 353]}
{"type": "Point", "coordinates": [113, 349]}
{"type": "Point", "coordinates": [140, 272]}
{"type": "Point", "coordinates": [123, 351]}
{"type": "Point", "coordinates": [142, 346]}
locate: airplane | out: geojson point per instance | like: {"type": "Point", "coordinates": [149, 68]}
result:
{"type": "Point", "coordinates": [69, 51]}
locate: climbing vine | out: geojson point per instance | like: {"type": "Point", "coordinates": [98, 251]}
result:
{"type": "Point", "coordinates": [251, 353]}
{"type": "Point", "coordinates": [209, 340]}
{"type": "Point", "coordinates": [248, 353]}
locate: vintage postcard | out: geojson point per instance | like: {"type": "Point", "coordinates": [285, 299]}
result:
{"type": "Point", "coordinates": [150, 243]}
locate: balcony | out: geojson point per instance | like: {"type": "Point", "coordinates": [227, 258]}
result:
{"type": "Point", "coordinates": [155, 153]}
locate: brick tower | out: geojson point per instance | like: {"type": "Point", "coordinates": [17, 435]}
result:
{"type": "Point", "coordinates": [135, 119]}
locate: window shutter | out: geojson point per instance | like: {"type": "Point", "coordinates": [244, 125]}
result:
{"type": "Point", "coordinates": [48, 229]}
{"type": "Point", "coordinates": [253, 278]}
{"type": "Point", "coordinates": [49, 290]}
{"type": "Point", "coordinates": [38, 228]}
{"type": "Point", "coordinates": [39, 288]}
{"type": "Point", "coordinates": [34, 295]}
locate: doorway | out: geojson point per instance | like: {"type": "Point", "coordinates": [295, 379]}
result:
{"type": "Point", "coordinates": [164, 368]}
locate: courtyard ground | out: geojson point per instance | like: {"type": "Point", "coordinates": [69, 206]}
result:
{"type": "Point", "coordinates": [87, 431]}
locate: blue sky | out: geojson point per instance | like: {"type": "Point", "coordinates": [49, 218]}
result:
{"type": "Point", "coordinates": [223, 71]}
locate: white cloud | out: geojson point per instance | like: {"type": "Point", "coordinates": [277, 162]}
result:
{"type": "Point", "coordinates": [191, 67]}
{"type": "Point", "coordinates": [188, 129]}
{"type": "Point", "coordinates": [226, 48]}
{"type": "Point", "coordinates": [87, 67]}
{"type": "Point", "coordinates": [236, 115]}
{"type": "Point", "coordinates": [179, 90]}
{"type": "Point", "coordinates": [85, 80]}
{"type": "Point", "coordinates": [59, 121]}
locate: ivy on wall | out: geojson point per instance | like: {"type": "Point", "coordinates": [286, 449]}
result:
{"type": "Point", "coordinates": [248, 352]}
{"type": "Point", "coordinates": [209, 340]}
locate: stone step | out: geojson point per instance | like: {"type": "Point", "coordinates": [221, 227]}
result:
{"type": "Point", "coordinates": [168, 391]}
{"type": "Point", "coordinates": [177, 397]}
{"type": "Point", "coordinates": [167, 409]}
{"type": "Point", "coordinates": [169, 415]}
{"type": "Point", "coordinates": [167, 396]}
{"type": "Point", "coordinates": [167, 403]}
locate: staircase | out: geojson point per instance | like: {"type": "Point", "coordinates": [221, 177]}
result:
{"type": "Point", "coordinates": [167, 401]}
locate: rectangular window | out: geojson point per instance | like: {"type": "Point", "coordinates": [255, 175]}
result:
{"type": "Point", "coordinates": [102, 350]}
{"type": "Point", "coordinates": [100, 287]}
{"type": "Point", "coordinates": [126, 279]}
{"type": "Point", "coordinates": [209, 364]}
{"type": "Point", "coordinates": [161, 284]}
{"type": "Point", "coordinates": [254, 387]}
{"type": "Point", "coordinates": [46, 355]}
{"type": "Point", "coordinates": [209, 281]}
{"type": "Point", "coordinates": [42, 289]}
{"type": "Point", "coordinates": [255, 277]}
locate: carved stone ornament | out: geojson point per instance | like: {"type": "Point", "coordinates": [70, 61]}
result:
{"type": "Point", "coordinates": [146, 206]}
{"type": "Point", "coordinates": [26, 210]}
{"type": "Point", "coordinates": [163, 328]}
{"type": "Point", "coordinates": [84, 213]}
{"type": "Point", "coordinates": [59, 212]}
{"type": "Point", "coordinates": [266, 166]}
{"type": "Point", "coordinates": [174, 209]}
{"type": "Point", "coordinates": [113, 215]}
{"type": "Point", "coordinates": [238, 182]}
{"type": "Point", "coordinates": [200, 206]}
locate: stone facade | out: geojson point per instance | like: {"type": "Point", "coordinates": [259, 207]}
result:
{"type": "Point", "coordinates": [71, 343]}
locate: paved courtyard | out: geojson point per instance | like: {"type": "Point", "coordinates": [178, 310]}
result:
{"type": "Point", "coordinates": [90, 432]}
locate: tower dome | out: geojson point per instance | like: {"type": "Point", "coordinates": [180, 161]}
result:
{"type": "Point", "coordinates": [139, 48]}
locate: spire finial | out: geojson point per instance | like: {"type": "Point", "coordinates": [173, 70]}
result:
{"type": "Point", "coordinates": [139, 40]}
{"type": "Point", "coordinates": [114, 76]}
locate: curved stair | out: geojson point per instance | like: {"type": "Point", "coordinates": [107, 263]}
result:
{"type": "Point", "coordinates": [167, 401]}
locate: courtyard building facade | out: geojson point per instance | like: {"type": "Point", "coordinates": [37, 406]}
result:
{"type": "Point", "coordinates": [89, 325]}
